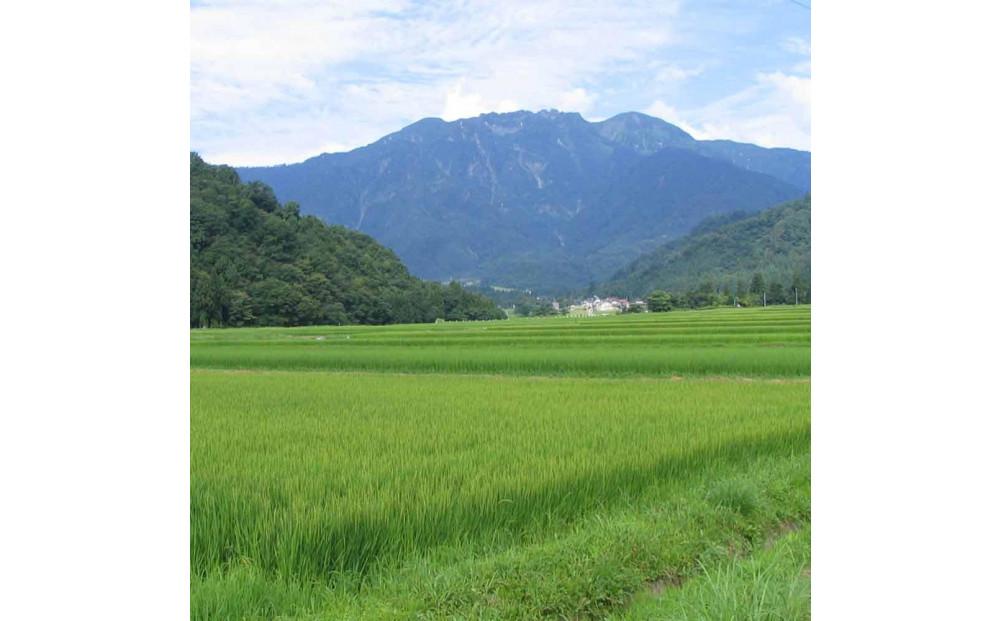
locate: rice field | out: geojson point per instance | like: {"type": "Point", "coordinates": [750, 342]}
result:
{"type": "Point", "coordinates": [770, 342]}
{"type": "Point", "coordinates": [517, 469]}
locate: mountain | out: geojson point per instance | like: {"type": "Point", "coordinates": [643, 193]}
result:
{"type": "Point", "coordinates": [542, 200]}
{"type": "Point", "coordinates": [723, 253]}
{"type": "Point", "coordinates": [646, 135]}
{"type": "Point", "coordinates": [255, 262]}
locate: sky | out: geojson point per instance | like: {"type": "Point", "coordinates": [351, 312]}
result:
{"type": "Point", "coordinates": [280, 81]}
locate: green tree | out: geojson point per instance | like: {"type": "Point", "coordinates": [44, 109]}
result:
{"type": "Point", "coordinates": [659, 302]}
{"type": "Point", "coordinates": [240, 309]}
{"type": "Point", "coordinates": [256, 262]}
{"type": "Point", "coordinates": [799, 290]}
{"type": "Point", "coordinates": [775, 293]}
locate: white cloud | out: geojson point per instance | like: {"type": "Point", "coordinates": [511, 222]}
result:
{"type": "Point", "coordinates": [575, 100]}
{"type": "Point", "coordinates": [662, 110]}
{"type": "Point", "coordinates": [670, 114]}
{"type": "Point", "coordinates": [774, 112]}
{"type": "Point", "coordinates": [460, 105]}
{"type": "Point", "coordinates": [796, 88]}
{"type": "Point", "coordinates": [673, 73]}
{"type": "Point", "coordinates": [279, 81]}
{"type": "Point", "coordinates": [352, 72]}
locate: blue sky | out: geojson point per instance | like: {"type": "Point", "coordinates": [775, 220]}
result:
{"type": "Point", "coordinates": [276, 82]}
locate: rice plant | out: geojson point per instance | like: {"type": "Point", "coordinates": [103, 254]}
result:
{"type": "Point", "coordinates": [683, 343]}
{"type": "Point", "coordinates": [472, 437]}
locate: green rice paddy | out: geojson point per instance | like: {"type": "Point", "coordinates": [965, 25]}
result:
{"type": "Point", "coordinates": [547, 468]}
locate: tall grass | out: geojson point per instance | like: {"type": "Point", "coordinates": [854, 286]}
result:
{"type": "Point", "coordinates": [770, 585]}
{"type": "Point", "coordinates": [309, 475]}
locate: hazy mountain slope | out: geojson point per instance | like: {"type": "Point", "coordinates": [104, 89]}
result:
{"type": "Point", "coordinates": [665, 196]}
{"type": "Point", "coordinates": [789, 165]}
{"type": "Point", "coordinates": [726, 251]}
{"type": "Point", "coordinates": [646, 135]}
{"type": "Point", "coordinates": [526, 199]}
{"type": "Point", "coordinates": [643, 133]}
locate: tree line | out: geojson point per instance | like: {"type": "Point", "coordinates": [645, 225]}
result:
{"type": "Point", "coordinates": [756, 292]}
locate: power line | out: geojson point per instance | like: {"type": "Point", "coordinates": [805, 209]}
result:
{"type": "Point", "coordinates": [801, 4]}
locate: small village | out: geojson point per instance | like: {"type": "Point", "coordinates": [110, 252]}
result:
{"type": "Point", "coordinates": [605, 306]}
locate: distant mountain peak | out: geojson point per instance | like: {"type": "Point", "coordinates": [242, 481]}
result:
{"type": "Point", "coordinates": [636, 119]}
{"type": "Point", "coordinates": [500, 123]}
{"type": "Point", "coordinates": [535, 199]}
{"type": "Point", "coordinates": [646, 134]}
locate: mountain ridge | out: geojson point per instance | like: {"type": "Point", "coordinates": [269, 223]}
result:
{"type": "Point", "coordinates": [523, 198]}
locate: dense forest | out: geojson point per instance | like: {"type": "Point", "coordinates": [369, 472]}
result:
{"type": "Point", "coordinates": [256, 262]}
{"type": "Point", "coordinates": [737, 255]}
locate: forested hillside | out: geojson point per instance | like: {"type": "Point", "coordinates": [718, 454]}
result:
{"type": "Point", "coordinates": [256, 262]}
{"type": "Point", "coordinates": [734, 254]}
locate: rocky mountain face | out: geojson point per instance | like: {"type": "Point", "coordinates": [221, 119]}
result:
{"type": "Point", "coordinates": [542, 200]}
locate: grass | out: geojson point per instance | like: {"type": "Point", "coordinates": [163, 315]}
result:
{"type": "Point", "coordinates": [770, 585]}
{"type": "Point", "coordinates": [515, 470]}
{"type": "Point", "coordinates": [735, 342]}
{"type": "Point", "coordinates": [538, 359]}
{"type": "Point", "coordinates": [585, 570]}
